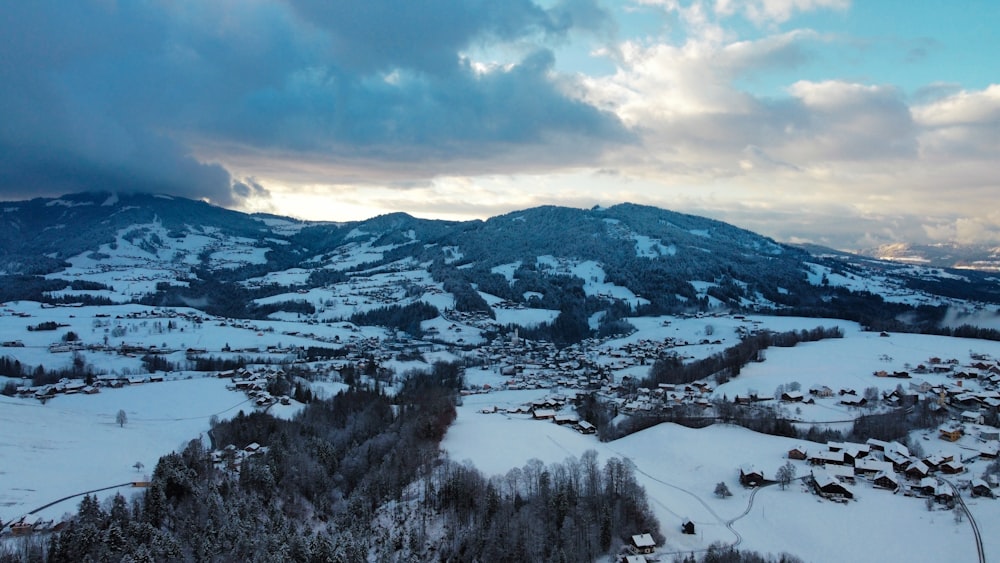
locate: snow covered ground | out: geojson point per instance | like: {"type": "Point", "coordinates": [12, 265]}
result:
{"type": "Point", "coordinates": [73, 444]}
{"type": "Point", "coordinates": [680, 466]}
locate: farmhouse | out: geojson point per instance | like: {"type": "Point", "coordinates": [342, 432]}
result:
{"type": "Point", "coordinates": [981, 488]}
{"type": "Point", "coordinates": [798, 452]}
{"type": "Point", "coordinates": [750, 476]}
{"type": "Point", "coordinates": [828, 487]}
{"type": "Point", "coordinates": [871, 467]}
{"type": "Point", "coordinates": [643, 543]}
{"type": "Point", "coordinates": [886, 480]}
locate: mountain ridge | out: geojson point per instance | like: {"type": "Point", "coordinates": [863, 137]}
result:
{"type": "Point", "coordinates": [612, 262]}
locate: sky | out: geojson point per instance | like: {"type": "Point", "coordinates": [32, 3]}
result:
{"type": "Point", "coordinates": [847, 124]}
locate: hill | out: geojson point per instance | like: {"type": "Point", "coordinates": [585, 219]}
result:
{"type": "Point", "coordinates": [589, 267]}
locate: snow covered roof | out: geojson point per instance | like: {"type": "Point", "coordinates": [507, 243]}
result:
{"type": "Point", "coordinates": [643, 540]}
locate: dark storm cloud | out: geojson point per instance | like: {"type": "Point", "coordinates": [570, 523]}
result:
{"type": "Point", "coordinates": [105, 95]}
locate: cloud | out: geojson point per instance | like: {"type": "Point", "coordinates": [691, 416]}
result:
{"type": "Point", "coordinates": [163, 96]}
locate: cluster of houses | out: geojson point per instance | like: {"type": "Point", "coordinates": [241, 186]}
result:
{"type": "Point", "coordinates": [231, 457]}
{"type": "Point", "coordinates": [73, 386]}
{"type": "Point", "coordinates": [255, 384]}
{"type": "Point", "coordinates": [886, 465]}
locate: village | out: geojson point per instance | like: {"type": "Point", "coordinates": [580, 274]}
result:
{"type": "Point", "coordinates": [952, 464]}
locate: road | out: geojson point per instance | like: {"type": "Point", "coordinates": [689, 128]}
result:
{"type": "Point", "coordinates": [55, 502]}
{"type": "Point", "coordinates": [972, 520]}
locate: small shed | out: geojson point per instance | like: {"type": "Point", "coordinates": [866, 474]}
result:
{"type": "Point", "coordinates": [687, 526]}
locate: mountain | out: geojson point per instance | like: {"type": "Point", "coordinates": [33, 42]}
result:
{"type": "Point", "coordinates": [944, 255]}
{"type": "Point", "coordinates": [589, 267]}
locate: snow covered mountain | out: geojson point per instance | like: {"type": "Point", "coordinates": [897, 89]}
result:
{"type": "Point", "coordinates": [586, 268]}
{"type": "Point", "coordinates": [966, 257]}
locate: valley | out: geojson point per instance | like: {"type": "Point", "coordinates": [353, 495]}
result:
{"type": "Point", "coordinates": [560, 354]}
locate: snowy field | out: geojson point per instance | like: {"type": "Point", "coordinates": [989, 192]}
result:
{"type": "Point", "coordinates": [73, 444]}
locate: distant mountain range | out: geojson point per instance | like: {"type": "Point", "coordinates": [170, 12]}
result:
{"type": "Point", "coordinates": [944, 255]}
{"type": "Point", "coordinates": [600, 263]}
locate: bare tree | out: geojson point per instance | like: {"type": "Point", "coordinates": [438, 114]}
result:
{"type": "Point", "coordinates": [785, 474]}
{"type": "Point", "coordinates": [721, 490]}
{"type": "Point", "coordinates": [121, 418]}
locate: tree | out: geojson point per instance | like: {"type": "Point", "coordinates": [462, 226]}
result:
{"type": "Point", "coordinates": [121, 418]}
{"type": "Point", "coordinates": [721, 490]}
{"type": "Point", "coordinates": [785, 474]}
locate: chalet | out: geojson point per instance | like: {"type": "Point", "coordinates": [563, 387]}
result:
{"type": "Point", "coordinates": [952, 467]}
{"type": "Point", "coordinates": [950, 434]}
{"type": "Point", "coordinates": [853, 401]}
{"type": "Point", "coordinates": [543, 414]}
{"type": "Point", "coordinates": [917, 470]}
{"type": "Point", "coordinates": [826, 457]}
{"type": "Point", "coordinates": [886, 480]}
{"type": "Point", "coordinates": [792, 396]}
{"type": "Point", "coordinates": [750, 476]}
{"type": "Point", "coordinates": [943, 493]}
{"type": "Point", "coordinates": [563, 419]}
{"type": "Point", "coordinates": [842, 473]}
{"type": "Point", "coordinates": [927, 486]}
{"type": "Point", "coordinates": [990, 450]}
{"type": "Point", "coordinates": [981, 488]}
{"type": "Point", "coordinates": [973, 417]}
{"type": "Point", "coordinates": [898, 459]}
{"type": "Point", "coordinates": [585, 427]}
{"type": "Point", "coordinates": [821, 391]}
{"type": "Point", "coordinates": [871, 467]}
{"type": "Point", "coordinates": [828, 487]}
{"type": "Point", "coordinates": [643, 543]}
{"type": "Point", "coordinates": [798, 452]}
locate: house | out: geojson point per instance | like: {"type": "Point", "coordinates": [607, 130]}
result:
{"type": "Point", "coordinates": [952, 467]}
{"type": "Point", "coordinates": [989, 450]}
{"type": "Point", "coordinates": [563, 419]}
{"type": "Point", "coordinates": [950, 434]}
{"type": "Point", "coordinates": [981, 488]}
{"type": "Point", "coordinates": [828, 487]}
{"type": "Point", "coordinates": [821, 391]}
{"type": "Point", "coordinates": [886, 480]}
{"type": "Point", "coordinates": [943, 493]}
{"type": "Point", "coordinates": [973, 417]}
{"type": "Point", "coordinates": [798, 452]}
{"type": "Point", "coordinates": [687, 526]}
{"type": "Point", "coordinates": [643, 543]}
{"type": "Point", "coordinates": [872, 467]}
{"type": "Point", "coordinates": [584, 427]}
{"type": "Point", "coordinates": [826, 457]}
{"type": "Point", "coordinates": [750, 476]}
{"type": "Point", "coordinates": [917, 470]}
{"type": "Point", "coordinates": [927, 486]}
{"type": "Point", "coordinates": [792, 396]}
{"type": "Point", "coordinates": [543, 414]}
